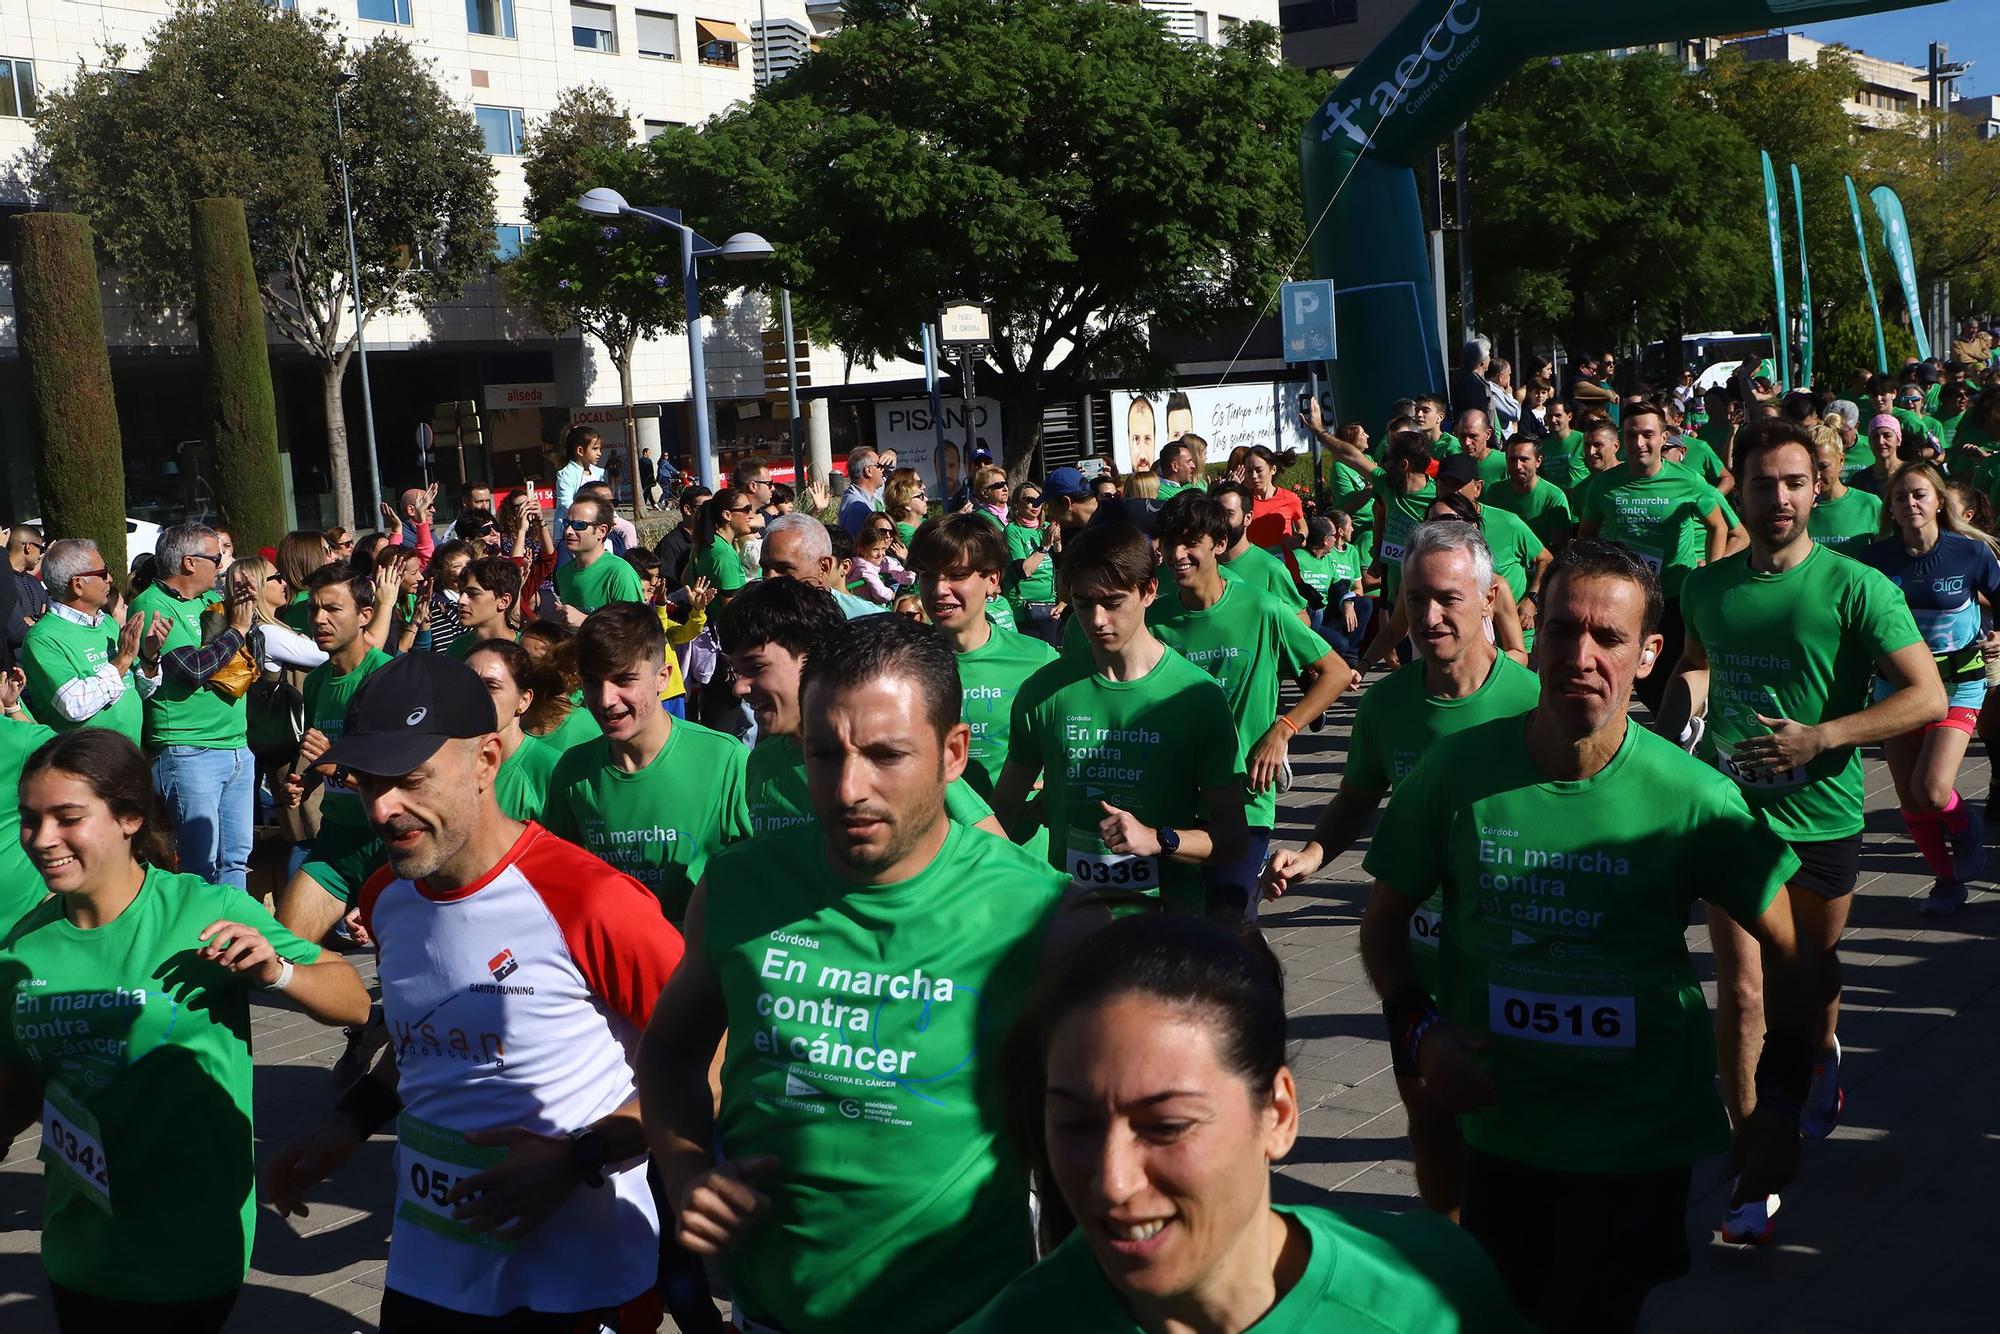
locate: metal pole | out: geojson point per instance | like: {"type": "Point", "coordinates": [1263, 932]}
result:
{"type": "Point", "coordinates": [965, 359]}
{"type": "Point", "coordinates": [1463, 207]}
{"type": "Point", "coordinates": [704, 456]}
{"type": "Point", "coordinates": [360, 321]}
{"type": "Point", "coordinates": [792, 394]}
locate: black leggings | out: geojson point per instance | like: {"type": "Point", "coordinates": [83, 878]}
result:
{"type": "Point", "coordinates": [81, 1313]}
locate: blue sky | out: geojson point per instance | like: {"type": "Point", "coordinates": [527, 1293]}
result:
{"type": "Point", "coordinates": [1970, 27]}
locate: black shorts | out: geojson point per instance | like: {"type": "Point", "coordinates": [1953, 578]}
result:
{"type": "Point", "coordinates": [1830, 867]}
{"type": "Point", "coordinates": [1578, 1251]}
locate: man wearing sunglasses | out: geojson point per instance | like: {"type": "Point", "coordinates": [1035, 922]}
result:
{"type": "Point", "coordinates": [593, 576]}
{"type": "Point", "coordinates": [24, 572]}
{"type": "Point", "coordinates": [79, 664]}
{"type": "Point", "coordinates": [863, 496]}
{"type": "Point", "coordinates": [204, 771]}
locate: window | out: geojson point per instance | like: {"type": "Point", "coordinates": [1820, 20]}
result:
{"type": "Point", "coordinates": [718, 42]}
{"type": "Point", "coordinates": [508, 238]}
{"type": "Point", "coordinates": [659, 35]}
{"type": "Point", "coordinates": [656, 128]}
{"type": "Point", "coordinates": [503, 129]}
{"type": "Point", "coordinates": [1200, 27]}
{"type": "Point", "coordinates": [591, 27]}
{"type": "Point", "coordinates": [385, 11]}
{"type": "Point", "coordinates": [17, 88]}
{"type": "Point", "coordinates": [489, 18]}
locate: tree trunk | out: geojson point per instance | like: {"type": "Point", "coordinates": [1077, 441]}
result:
{"type": "Point", "coordinates": [339, 468]}
{"type": "Point", "coordinates": [622, 357]}
{"type": "Point", "coordinates": [1021, 407]}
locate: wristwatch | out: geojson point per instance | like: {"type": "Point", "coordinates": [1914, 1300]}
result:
{"type": "Point", "coordinates": [1170, 841]}
{"type": "Point", "coordinates": [588, 1153]}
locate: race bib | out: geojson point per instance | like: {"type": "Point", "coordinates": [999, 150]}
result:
{"type": "Point", "coordinates": [1761, 781]}
{"type": "Point", "coordinates": [430, 1161]}
{"type": "Point", "coordinates": [1426, 928]}
{"type": "Point", "coordinates": [1390, 551]}
{"type": "Point", "coordinates": [1098, 869]}
{"type": "Point", "coordinates": [1569, 1021]}
{"type": "Point", "coordinates": [1651, 561]}
{"type": "Point", "coordinates": [72, 1142]}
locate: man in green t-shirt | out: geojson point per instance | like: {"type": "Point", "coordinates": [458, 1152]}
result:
{"type": "Point", "coordinates": [1402, 491]}
{"type": "Point", "coordinates": [1845, 518]}
{"type": "Point", "coordinates": [1252, 564]}
{"type": "Point", "coordinates": [198, 736]}
{"type": "Point", "coordinates": [487, 596]}
{"type": "Point", "coordinates": [593, 576]}
{"type": "Point", "coordinates": [1431, 411]}
{"type": "Point", "coordinates": [1331, 565]}
{"type": "Point", "coordinates": [1178, 468]}
{"type": "Point", "coordinates": [79, 666]}
{"type": "Point", "coordinates": [1531, 497]}
{"type": "Point", "coordinates": [1135, 745]}
{"type": "Point", "coordinates": [1668, 517]}
{"type": "Point", "coordinates": [345, 852]}
{"type": "Point", "coordinates": [1519, 558]}
{"type": "Point", "coordinates": [1569, 1032]}
{"type": "Point", "coordinates": [1783, 644]}
{"type": "Point", "coordinates": [865, 969]}
{"type": "Point", "coordinates": [1475, 433]}
{"type": "Point", "coordinates": [1243, 638]}
{"type": "Point", "coordinates": [1459, 681]}
{"type": "Point", "coordinates": [1562, 453]}
{"type": "Point", "coordinates": [655, 796]}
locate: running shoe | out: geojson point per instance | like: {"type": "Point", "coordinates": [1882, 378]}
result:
{"type": "Point", "coordinates": [1968, 846]}
{"type": "Point", "coordinates": [1749, 1223]}
{"type": "Point", "coordinates": [1284, 783]}
{"type": "Point", "coordinates": [1946, 897]}
{"type": "Point", "coordinates": [1826, 1099]}
{"type": "Point", "coordinates": [362, 1044]}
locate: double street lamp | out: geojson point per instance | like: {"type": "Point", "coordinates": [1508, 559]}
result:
{"type": "Point", "coordinates": [743, 245]}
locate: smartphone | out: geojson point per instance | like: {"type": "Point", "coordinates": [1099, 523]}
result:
{"type": "Point", "coordinates": [1305, 405]}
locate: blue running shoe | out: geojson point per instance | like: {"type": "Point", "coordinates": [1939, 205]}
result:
{"type": "Point", "coordinates": [1826, 1098]}
{"type": "Point", "coordinates": [1968, 848]}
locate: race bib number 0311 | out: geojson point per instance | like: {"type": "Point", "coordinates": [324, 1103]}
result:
{"type": "Point", "coordinates": [1570, 1021]}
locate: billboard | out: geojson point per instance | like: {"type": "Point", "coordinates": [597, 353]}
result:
{"type": "Point", "coordinates": [905, 425]}
{"type": "Point", "coordinates": [1227, 416]}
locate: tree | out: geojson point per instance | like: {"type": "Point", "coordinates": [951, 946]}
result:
{"type": "Point", "coordinates": [1950, 186]}
{"type": "Point", "coordinates": [1613, 202]}
{"type": "Point", "coordinates": [236, 363]}
{"type": "Point", "coordinates": [616, 279]}
{"type": "Point", "coordinates": [236, 99]}
{"type": "Point", "coordinates": [79, 459]}
{"type": "Point", "coordinates": [1068, 161]}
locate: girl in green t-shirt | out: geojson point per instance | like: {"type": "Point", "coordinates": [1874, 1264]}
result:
{"type": "Point", "coordinates": [1152, 1092]}
{"type": "Point", "coordinates": [522, 785]}
{"type": "Point", "coordinates": [125, 1029]}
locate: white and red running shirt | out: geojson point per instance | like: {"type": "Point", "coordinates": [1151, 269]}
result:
{"type": "Point", "coordinates": [518, 1001]}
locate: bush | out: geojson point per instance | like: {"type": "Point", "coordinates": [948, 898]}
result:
{"type": "Point", "coordinates": [242, 409]}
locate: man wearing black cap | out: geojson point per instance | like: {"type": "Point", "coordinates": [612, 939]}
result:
{"type": "Point", "coordinates": [517, 972]}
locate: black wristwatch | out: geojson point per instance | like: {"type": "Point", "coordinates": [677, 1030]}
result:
{"type": "Point", "coordinates": [588, 1153]}
{"type": "Point", "coordinates": [1170, 841]}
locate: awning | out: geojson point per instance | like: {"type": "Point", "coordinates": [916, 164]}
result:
{"type": "Point", "coordinates": [718, 30]}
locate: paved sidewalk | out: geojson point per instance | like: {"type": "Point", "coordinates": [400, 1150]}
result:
{"type": "Point", "coordinates": [1880, 1234]}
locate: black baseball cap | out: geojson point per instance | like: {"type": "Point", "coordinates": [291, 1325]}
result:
{"type": "Point", "coordinates": [1459, 468]}
{"type": "Point", "coordinates": [403, 712]}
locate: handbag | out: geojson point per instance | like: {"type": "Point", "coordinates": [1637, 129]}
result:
{"type": "Point", "coordinates": [235, 677]}
{"type": "Point", "coordinates": [275, 712]}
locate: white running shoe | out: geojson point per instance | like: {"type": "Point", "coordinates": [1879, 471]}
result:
{"type": "Point", "coordinates": [1749, 1223]}
{"type": "Point", "coordinates": [1825, 1100]}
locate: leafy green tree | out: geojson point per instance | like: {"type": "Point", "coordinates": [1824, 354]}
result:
{"type": "Point", "coordinates": [1066, 160]}
{"type": "Point", "coordinates": [1950, 187]}
{"type": "Point", "coordinates": [616, 279]}
{"type": "Point", "coordinates": [1612, 200]}
{"type": "Point", "coordinates": [236, 99]}
{"type": "Point", "coordinates": [236, 363]}
{"type": "Point", "coordinates": [79, 466]}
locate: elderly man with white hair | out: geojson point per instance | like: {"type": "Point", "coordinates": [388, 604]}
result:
{"type": "Point", "coordinates": [797, 546]}
{"type": "Point", "coordinates": [80, 664]}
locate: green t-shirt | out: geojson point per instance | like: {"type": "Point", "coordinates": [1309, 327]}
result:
{"type": "Point", "coordinates": [1000, 612]}
{"type": "Point", "coordinates": [1367, 1270]}
{"type": "Point", "coordinates": [989, 677]}
{"type": "Point", "coordinates": [1799, 645]}
{"type": "Point", "coordinates": [577, 727]}
{"type": "Point", "coordinates": [1344, 486]}
{"type": "Point", "coordinates": [522, 785]}
{"type": "Point", "coordinates": [151, 1045]}
{"type": "Point", "coordinates": [1492, 467]}
{"type": "Point", "coordinates": [57, 651]}
{"type": "Point", "coordinates": [1563, 462]}
{"type": "Point", "coordinates": [1704, 461]}
{"type": "Point", "coordinates": [661, 824]}
{"type": "Point", "coordinates": [1323, 574]}
{"type": "Point", "coordinates": [1447, 445]}
{"type": "Point", "coordinates": [297, 613]}
{"type": "Point", "coordinates": [178, 714]}
{"type": "Point", "coordinates": [607, 579]}
{"type": "Point", "coordinates": [1514, 547]}
{"type": "Point", "coordinates": [720, 564]}
{"type": "Point", "coordinates": [1248, 643]}
{"type": "Point", "coordinates": [1260, 569]}
{"type": "Point", "coordinates": [1848, 524]}
{"type": "Point", "coordinates": [1149, 746]}
{"type": "Point", "coordinates": [865, 1028]}
{"type": "Point", "coordinates": [1023, 542]}
{"type": "Point", "coordinates": [1170, 489]}
{"type": "Point", "coordinates": [1545, 509]}
{"type": "Point", "coordinates": [1402, 511]}
{"type": "Point", "coordinates": [327, 693]}
{"type": "Point", "coordinates": [1565, 911]}
{"type": "Point", "coordinates": [905, 532]}
{"type": "Point", "coordinates": [777, 795]}
{"type": "Point", "coordinates": [21, 886]}
{"type": "Point", "coordinates": [1657, 518]}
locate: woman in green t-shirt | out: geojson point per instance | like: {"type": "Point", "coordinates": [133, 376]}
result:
{"type": "Point", "coordinates": [907, 504]}
{"type": "Point", "coordinates": [125, 1028]}
{"type": "Point", "coordinates": [522, 785]}
{"type": "Point", "coordinates": [1150, 1088]}
{"type": "Point", "coordinates": [718, 534]}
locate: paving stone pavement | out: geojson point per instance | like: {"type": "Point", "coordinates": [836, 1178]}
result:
{"type": "Point", "coordinates": [1882, 1233]}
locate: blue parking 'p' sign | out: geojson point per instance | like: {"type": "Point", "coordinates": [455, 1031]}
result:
{"type": "Point", "coordinates": [1306, 315]}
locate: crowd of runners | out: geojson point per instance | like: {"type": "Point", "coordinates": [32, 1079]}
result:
{"type": "Point", "coordinates": [854, 918]}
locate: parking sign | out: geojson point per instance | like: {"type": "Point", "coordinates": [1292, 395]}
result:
{"type": "Point", "coordinates": [1306, 315]}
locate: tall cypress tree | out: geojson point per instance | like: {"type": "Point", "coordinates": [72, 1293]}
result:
{"type": "Point", "coordinates": [79, 457]}
{"type": "Point", "coordinates": [236, 361]}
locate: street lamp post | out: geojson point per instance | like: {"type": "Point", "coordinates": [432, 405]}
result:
{"type": "Point", "coordinates": [742, 245]}
{"type": "Point", "coordinates": [341, 83]}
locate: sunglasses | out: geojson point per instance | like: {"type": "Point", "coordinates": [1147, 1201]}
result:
{"type": "Point", "coordinates": [1031, 500]}
{"type": "Point", "coordinates": [203, 555]}
{"type": "Point", "coordinates": [581, 525]}
{"type": "Point", "coordinates": [742, 509]}
{"type": "Point", "coordinates": [93, 574]}
{"type": "Point", "coordinates": [274, 578]}
{"type": "Point", "coordinates": [997, 486]}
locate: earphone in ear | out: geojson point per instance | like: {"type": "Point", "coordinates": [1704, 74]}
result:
{"type": "Point", "coordinates": [1646, 658]}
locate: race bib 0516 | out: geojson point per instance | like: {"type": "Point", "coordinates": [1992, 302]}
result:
{"type": "Point", "coordinates": [1570, 1021]}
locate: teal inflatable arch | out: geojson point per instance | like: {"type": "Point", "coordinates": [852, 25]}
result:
{"type": "Point", "coordinates": [1359, 152]}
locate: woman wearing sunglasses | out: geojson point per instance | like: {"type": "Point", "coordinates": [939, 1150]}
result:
{"type": "Point", "coordinates": [1029, 584]}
